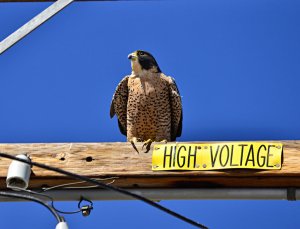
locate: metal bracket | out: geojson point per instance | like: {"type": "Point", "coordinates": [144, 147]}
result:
{"type": "Point", "coordinates": [291, 194]}
{"type": "Point", "coordinates": [33, 24]}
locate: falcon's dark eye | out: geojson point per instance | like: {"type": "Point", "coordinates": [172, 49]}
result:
{"type": "Point", "coordinates": [142, 53]}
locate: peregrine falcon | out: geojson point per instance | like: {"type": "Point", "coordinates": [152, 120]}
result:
{"type": "Point", "coordinates": [147, 103]}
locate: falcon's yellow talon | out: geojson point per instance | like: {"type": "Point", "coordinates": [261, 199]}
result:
{"type": "Point", "coordinates": [133, 141]}
{"type": "Point", "coordinates": [147, 144]}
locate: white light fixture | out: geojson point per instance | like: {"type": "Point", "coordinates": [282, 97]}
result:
{"type": "Point", "coordinates": [18, 174]}
{"type": "Point", "coordinates": [62, 225]}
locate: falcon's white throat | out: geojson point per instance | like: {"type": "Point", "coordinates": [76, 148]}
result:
{"type": "Point", "coordinates": [138, 71]}
{"type": "Point", "coordinates": [136, 67]}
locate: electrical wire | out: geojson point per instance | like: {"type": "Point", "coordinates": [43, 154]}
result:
{"type": "Point", "coordinates": [52, 201]}
{"type": "Point", "coordinates": [65, 186]}
{"type": "Point", "coordinates": [109, 187]}
{"type": "Point", "coordinates": [34, 199]}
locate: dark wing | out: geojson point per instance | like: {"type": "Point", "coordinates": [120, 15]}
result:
{"type": "Point", "coordinates": [119, 105]}
{"type": "Point", "coordinates": [176, 110]}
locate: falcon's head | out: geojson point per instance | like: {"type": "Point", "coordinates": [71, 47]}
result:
{"type": "Point", "coordinates": [142, 60]}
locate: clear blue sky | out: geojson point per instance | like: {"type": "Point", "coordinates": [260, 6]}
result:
{"type": "Point", "coordinates": [236, 63]}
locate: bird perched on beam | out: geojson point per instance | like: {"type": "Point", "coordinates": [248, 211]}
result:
{"type": "Point", "coordinates": [147, 103]}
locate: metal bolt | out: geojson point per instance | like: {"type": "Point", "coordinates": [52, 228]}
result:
{"type": "Point", "coordinates": [278, 147]}
{"type": "Point", "coordinates": [277, 165]}
{"type": "Point", "coordinates": [157, 148]}
{"type": "Point", "coordinates": [205, 147]}
{"type": "Point", "coordinates": [199, 147]}
{"type": "Point", "coordinates": [155, 166]}
{"type": "Point", "coordinates": [197, 166]}
{"type": "Point", "coordinates": [204, 165]}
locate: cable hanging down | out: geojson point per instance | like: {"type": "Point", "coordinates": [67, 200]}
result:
{"type": "Point", "coordinates": [109, 187]}
{"type": "Point", "coordinates": [85, 209]}
{"type": "Point", "coordinates": [34, 199]}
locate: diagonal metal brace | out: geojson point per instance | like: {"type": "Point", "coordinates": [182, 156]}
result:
{"type": "Point", "coordinates": [33, 24]}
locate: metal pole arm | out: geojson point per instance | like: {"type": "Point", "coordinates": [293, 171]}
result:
{"type": "Point", "coordinates": [33, 24]}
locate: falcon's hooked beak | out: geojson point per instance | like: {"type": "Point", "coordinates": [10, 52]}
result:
{"type": "Point", "coordinates": [132, 56]}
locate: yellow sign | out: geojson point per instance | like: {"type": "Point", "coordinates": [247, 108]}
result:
{"type": "Point", "coordinates": [215, 156]}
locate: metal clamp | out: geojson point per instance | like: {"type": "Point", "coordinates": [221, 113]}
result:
{"type": "Point", "coordinates": [291, 194]}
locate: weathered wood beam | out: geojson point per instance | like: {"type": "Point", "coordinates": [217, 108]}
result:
{"type": "Point", "coordinates": [131, 170]}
